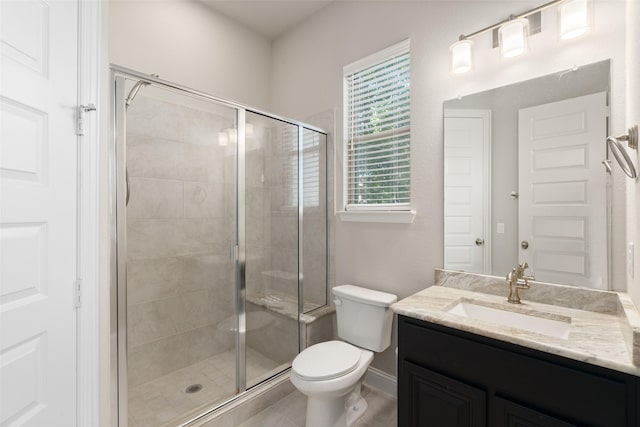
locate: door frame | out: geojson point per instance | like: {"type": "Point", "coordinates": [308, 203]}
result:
{"type": "Point", "coordinates": [92, 61]}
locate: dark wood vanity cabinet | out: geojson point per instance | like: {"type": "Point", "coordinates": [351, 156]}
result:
{"type": "Point", "coordinates": [452, 378]}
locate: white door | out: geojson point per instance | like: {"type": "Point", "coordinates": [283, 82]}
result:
{"type": "Point", "coordinates": [467, 195]}
{"type": "Point", "coordinates": [38, 98]}
{"type": "Point", "coordinates": [562, 184]}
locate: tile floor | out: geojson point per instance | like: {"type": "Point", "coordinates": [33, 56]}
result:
{"type": "Point", "coordinates": [290, 411]}
{"type": "Point", "coordinates": [165, 402]}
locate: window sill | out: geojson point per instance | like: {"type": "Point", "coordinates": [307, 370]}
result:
{"type": "Point", "coordinates": [397, 217]}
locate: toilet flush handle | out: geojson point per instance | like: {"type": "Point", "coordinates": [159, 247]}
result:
{"type": "Point", "coordinates": [337, 301]}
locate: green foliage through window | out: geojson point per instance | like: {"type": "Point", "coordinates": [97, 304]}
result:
{"type": "Point", "coordinates": [378, 134]}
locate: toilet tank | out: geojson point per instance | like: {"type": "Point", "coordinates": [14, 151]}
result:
{"type": "Point", "coordinates": [363, 316]}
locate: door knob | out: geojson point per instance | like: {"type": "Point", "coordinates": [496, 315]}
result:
{"type": "Point", "coordinates": [479, 242]}
{"type": "Point", "coordinates": [524, 244]}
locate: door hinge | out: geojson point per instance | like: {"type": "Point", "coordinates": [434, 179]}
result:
{"type": "Point", "coordinates": [82, 112]}
{"type": "Point", "coordinates": [77, 292]}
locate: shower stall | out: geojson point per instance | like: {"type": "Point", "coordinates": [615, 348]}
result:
{"type": "Point", "coordinates": [220, 247]}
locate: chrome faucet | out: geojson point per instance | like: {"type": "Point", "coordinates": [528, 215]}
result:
{"type": "Point", "coordinates": [517, 280]}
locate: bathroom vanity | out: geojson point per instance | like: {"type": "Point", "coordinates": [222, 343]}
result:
{"type": "Point", "coordinates": [458, 368]}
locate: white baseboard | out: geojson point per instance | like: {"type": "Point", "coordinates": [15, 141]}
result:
{"type": "Point", "coordinates": [382, 381]}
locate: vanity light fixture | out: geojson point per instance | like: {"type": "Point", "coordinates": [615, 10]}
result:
{"type": "Point", "coordinates": [513, 37]}
{"type": "Point", "coordinates": [461, 60]}
{"type": "Point", "coordinates": [230, 135]}
{"type": "Point", "coordinates": [513, 32]}
{"type": "Point", "coordinates": [573, 19]}
{"type": "Point", "coordinates": [233, 135]}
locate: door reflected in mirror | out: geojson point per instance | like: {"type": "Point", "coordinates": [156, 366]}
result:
{"type": "Point", "coordinates": [524, 179]}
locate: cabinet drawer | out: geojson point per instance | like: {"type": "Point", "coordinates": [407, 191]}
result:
{"type": "Point", "coordinates": [568, 393]}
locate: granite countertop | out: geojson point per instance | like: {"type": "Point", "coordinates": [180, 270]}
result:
{"type": "Point", "coordinates": [604, 331]}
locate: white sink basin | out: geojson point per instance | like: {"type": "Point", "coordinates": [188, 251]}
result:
{"type": "Point", "coordinates": [528, 322]}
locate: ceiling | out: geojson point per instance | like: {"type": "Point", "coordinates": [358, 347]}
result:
{"type": "Point", "coordinates": [268, 17]}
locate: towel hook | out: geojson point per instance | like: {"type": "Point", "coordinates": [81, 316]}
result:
{"type": "Point", "coordinates": [619, 152]}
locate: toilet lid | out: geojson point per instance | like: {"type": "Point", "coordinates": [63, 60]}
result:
{"type": "Point", "coordinates": [326, 360]}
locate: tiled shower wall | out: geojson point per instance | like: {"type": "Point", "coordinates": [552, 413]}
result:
{"type": "Point", "coordinates": [315, 236]}
{"type": "Point", "coordinates": [272, 224]}
{"type": "Point", "coordinates": [181, 224]}
{"type": "Point", "coordinates": [282, 212]}
{"type": "Point", "coordinates": [272, 213]}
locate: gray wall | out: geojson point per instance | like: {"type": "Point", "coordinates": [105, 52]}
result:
{"type": "Point", "coordinates": [189, 43]}
{"type": "Point", "coordinates": [307, 78]}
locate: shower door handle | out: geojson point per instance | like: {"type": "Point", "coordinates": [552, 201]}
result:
{"type": "Point", "coordinates": [126, 179]}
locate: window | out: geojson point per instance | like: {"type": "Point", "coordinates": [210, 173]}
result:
{"type": "Point", "coordinates": [377, 131]}
{"type": "Point", "coordinates": [311, 166]}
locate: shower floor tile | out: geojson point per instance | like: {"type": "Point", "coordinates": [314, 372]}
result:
{"type": "Point", "coordinates": [165, 401]}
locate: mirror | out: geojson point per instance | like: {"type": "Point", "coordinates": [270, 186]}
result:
{"type": "Point", "coordinates": [524, 179]}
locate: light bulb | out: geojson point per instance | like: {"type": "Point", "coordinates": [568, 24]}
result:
{"type": "Point", "coordinates": [223, 138]}
{"type": "Point", "coordinates": [513, 37]}
{"type": "Point", "coordinates": [233, 135]}
{"type": "Point", "coordinates": [461, 61]}
{"type": "Point", "coordinates": [573, 19]}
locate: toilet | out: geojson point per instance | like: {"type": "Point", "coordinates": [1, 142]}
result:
{"type": "Point", "coordinates": [330, 373]}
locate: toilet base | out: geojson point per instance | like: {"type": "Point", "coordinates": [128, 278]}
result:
{"type": "Point", "coordinates": [356, 411]}
{"type": "Point", "coordinates": [341, 411]}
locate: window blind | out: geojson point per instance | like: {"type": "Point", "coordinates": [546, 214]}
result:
{"type": "Point", "coordinates": [378, 134]}
{"type": "Point", "coordinates": [311, 166]}
{"type": "Point", "coordinates": [289, 164]}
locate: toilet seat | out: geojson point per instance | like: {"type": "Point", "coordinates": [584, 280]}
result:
{"type": "Point", "coordinates": [326, 360]}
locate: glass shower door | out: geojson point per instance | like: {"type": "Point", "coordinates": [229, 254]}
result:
{"type": "Point", "coordinates": [220, 211]}
{"type": "Point", "coordinates": [314, 234]}
{"type": "Point", "coordinates": [181, 223]}
{"type": "Point", "coordinates": [272, 258]}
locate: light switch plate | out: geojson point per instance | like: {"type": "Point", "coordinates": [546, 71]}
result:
{"type": "Point", "coordinates": [500, 227]}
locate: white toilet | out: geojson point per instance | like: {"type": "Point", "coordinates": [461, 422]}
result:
{"type": "Point", "coordinates": [330, 373]}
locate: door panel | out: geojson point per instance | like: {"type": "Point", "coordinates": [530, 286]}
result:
{"type": "Point", "coordinates": [440, 401]}
{"type": "Point", "coordinates": [562, 203]}
{"type": "Point", "coordinates": [272, 236]}
{"type": "Point", "coordinates": [467, 190]}
{"type": "Point", "coordinates": [180, 158]}
{"type": "Point", "coordinates": [38, 95]}
{"type": "Point", "coordinates": [510, 414]}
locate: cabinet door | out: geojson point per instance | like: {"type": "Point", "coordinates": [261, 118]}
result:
{"type": "Point", "coordinates": [510, 414]}
{"type": "Point", "coordinates": [430, 399]}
